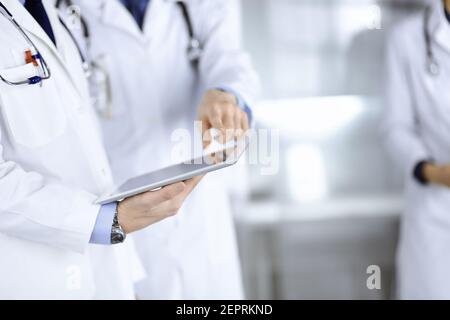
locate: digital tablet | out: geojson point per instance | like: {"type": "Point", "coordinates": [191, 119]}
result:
{"type": "Point", "coordinates": [175, 173]}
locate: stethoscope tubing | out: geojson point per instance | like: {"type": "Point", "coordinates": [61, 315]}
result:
{"type": "Point", "coordinates": [194, 50]}
{"type": "Point", "coordinates": [433, 67]}
{"type": "Point", "coordinates": [46, 73]}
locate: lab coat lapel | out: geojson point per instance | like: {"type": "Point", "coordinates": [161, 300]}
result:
{"type": "Point", "coordinates": [63, 55]}
{"type": "Point", "coordinates": [154, 17]}
{"type": "Point", "coordinates": [27, 22]}
{"type": "Point", "coordinates": [440, 27]}
{"type": "Point", "coordinates": [149, 19]}
{"type": "Point", "coordinates": [442, 36]}
{"type": "Point", "coordinates": [159, 15]}
{"type": "Point", "coordinates": [116, 15]}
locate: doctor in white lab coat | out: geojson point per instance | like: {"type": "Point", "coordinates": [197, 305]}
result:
{"type": "Point", "coordinates": [416, 128]}
{"type": "Point", "coordinates": [52, 168]}
{"type": "Point", "coordinates": [156, 90]}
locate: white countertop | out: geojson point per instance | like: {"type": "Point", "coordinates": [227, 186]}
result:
{"type": "Point", "coordinates": [269, 212]}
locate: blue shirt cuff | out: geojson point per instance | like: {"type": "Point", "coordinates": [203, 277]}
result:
{"type": "Point", "coordinates": [240, 102]}
{"type": "Point", "coordinates": [102, 229]}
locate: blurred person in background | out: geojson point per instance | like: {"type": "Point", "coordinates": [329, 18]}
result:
{"type": "Point", "coordinates": [170, 63]}
{"type": "Point", "coordinates": [416, 127]}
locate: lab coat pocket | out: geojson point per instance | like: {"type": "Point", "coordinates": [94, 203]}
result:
{"type": "Point", "coordinates": [34, 114]}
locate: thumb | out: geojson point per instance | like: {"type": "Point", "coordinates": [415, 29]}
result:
{"type": "Point", "coordinates": [154, 198]}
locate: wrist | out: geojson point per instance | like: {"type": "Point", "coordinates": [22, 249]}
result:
{"type": "Point", "coordinates": [430, 173]}
{"type": "Point", "coordinates": [121, 217]}
{"type": "Point", "coordinates": [118, 234]}
{"type": "Point", "coordinates": [222, 95]}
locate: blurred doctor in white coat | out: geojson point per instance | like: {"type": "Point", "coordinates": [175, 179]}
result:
{"type": "Point", "coordinates": [416, 128]}
{"type": "Point", "coordinates": [55, 242]}
{"type": "Point", "coordinates": [157, 89]}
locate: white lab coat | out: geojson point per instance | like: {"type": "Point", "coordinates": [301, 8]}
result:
{"type": "Point", "coordinates": [416, 126]}
{"type": "Point", "coordinates": [52, 168]}
{"type": "Point", "coordinates": [156, 91]}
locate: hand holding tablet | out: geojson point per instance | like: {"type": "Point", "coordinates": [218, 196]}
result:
{"type": "Point", "coordinates": [176, 173]}
{"type": "Point", "coordinates": [147, 208]}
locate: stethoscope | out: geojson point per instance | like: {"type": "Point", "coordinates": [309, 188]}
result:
{"type": "Point", "coordinates": [100, 88]}
{"type": "Point", "coordinates": [35, 56]}
{"type": "Point", "coordinates": [194, 49]}
{"type": "Point", "coordinates": [98, 77]}
{"type": "Point", "coordinates": [433, 67]}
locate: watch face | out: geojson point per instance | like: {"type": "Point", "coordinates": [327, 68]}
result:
{"type": "Point", "coordinates": [117, 236]}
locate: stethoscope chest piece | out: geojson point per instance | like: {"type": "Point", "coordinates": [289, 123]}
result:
{"type": "Point", "coordinates": [433, 68]}
{"type": "Point", "coordinates": [194, 50]}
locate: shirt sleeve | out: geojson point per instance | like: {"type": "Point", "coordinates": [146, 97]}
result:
{"type": "Point", "coordinates": [418, 172]}
{"type": "Point", "coordinates": [224, 64]}
{"type": "Point", "coordinates": [102, 228]}
{"type": "Point", "coordinates": [400, 126]}
{"type": "Point", "coordinates": [39, 209]}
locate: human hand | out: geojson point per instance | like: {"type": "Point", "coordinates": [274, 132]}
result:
{"type": "Point", "coordinates": [219, 110]}
{"type": "Point", "coordinates": [437, 174]}
{"type": "Point", "coordinates": [140, 211]}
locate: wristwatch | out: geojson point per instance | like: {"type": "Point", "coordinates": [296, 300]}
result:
{"type": "Point", "coordinates": [117, 233]}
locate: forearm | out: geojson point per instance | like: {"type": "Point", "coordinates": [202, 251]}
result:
{"type": "Point", "coordinates": [405, 147]}
{"type": "Point", "coordinates": [224, 64]}
{"type": "Point", "coordinates": [45, 212]}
